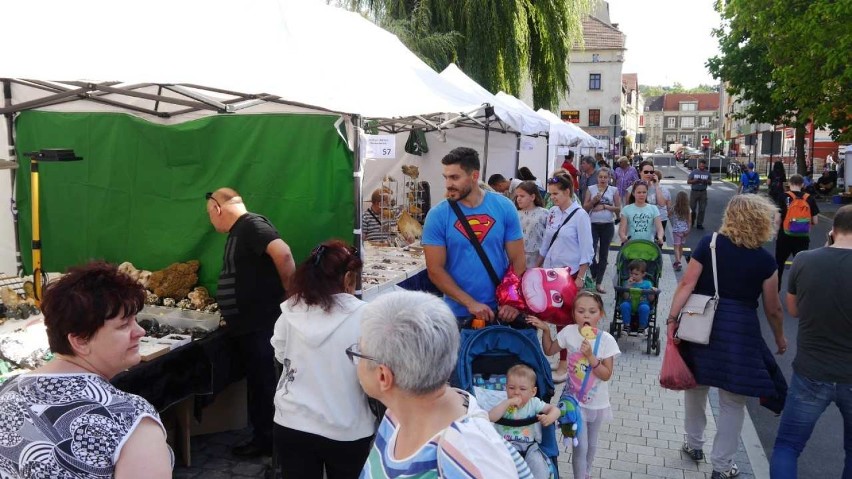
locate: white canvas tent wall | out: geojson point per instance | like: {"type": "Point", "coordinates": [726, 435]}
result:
{"type": "Point", "coordinates": [290, 49]}
{"type": "Point", "coordinates": [572, 136]}
{"type": "Point", "coordinates": [514, 136]}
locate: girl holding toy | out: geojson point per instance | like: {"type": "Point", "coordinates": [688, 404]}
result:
{"type": "Point", "coordinates": [591, 359]}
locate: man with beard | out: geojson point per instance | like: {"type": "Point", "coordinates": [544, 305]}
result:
{"type": "Point", "coordinates": [452, 262]}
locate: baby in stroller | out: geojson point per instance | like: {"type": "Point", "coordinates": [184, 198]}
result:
{"type": "Point", "coordinates": [511, 417]}
{"type": "Point", "coordinates": [638, 301]}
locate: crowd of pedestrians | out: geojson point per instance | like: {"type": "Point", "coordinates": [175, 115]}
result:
{"type": "Point", "coordinates": [363, 389]}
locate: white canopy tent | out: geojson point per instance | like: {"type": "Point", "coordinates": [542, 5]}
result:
{"type": "Point", "coordinates": [263, 56]}
{"type": "Point", "coordinates": [511, 116]}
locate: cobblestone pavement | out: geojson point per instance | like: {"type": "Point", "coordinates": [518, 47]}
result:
{"type": "Point", "coordinates": [645, 436]}
{"type": "Point", "coordinates": [643, 440]}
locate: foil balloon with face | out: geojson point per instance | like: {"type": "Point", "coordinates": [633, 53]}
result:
{"type": "Point", "coordinates": [509, 291]}
{"type": "Point", "coordinates": [549, 294]}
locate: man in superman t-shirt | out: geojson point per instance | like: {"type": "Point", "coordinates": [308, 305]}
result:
{"type": "Point", "coordinates": [451, 260]}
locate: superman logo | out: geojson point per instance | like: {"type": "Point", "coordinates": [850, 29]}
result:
{"type": "Point", "coordinates": [480, 224]}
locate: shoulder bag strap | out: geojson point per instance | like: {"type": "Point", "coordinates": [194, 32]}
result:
{"type": "Point", "coordinates": [713, 256]}
{"type": "Point", "coordinates": [559, 229]}
{"type": "Point", "coordinates": [471, 236]}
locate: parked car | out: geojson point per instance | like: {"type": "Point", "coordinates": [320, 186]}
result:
{"type": "Point", "coordinates": [658, 150]}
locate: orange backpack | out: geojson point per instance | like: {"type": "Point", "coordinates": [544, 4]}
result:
{"type": "Point", "coordinates": [797, 221]}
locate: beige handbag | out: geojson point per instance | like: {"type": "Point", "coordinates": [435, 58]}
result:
{"type": "Point", "coordinates": [695, 321]}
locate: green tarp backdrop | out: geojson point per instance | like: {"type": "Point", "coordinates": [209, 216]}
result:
{"type": "Point", "coordinates": [138, 194]}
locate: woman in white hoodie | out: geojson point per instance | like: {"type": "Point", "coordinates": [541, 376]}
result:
{"type": "Point", "coordinates": [322, 420]}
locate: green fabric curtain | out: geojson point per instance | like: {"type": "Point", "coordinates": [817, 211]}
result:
{"type": "Point", "coordinates": [138, 194]}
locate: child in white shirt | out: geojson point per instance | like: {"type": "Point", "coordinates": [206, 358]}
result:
{"type": "Point", "coordinates": [592, 393]}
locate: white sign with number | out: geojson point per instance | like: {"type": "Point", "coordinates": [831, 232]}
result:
{"type": "Point", "coordinates": [380, 146]}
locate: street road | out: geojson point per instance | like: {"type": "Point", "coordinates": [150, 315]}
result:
{"type": "Point", "coordinates": [823, 456]}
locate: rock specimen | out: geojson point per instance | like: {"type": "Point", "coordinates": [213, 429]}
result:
{"type": "Point", "coordinates": [199, 297]}
{"type": "Point", "coordinates": [176, 281]}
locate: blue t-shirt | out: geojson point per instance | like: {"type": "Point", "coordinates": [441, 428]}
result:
{"type": "Point", "coordinates": [495, 222]}
{"type": "Point", "coordinates": [640, 221]}
{"type": "Point", "coordinates": [742, 271]}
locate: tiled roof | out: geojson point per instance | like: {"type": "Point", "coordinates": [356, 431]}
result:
{"type": "Point", "coordinates": [601, 36]}
{"type": "Point", "coordinates": [706, 101]}
{"type": "Point", "coordinates": [654, 103]}
{"type": "Point", "coordinates": [630, 81]}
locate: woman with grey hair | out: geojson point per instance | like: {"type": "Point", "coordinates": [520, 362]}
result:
{"type": "Point", "coordinates": [408, 349]}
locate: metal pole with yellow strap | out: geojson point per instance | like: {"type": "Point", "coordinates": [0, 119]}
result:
{"type": "Point", "coordinates": [46, 155]}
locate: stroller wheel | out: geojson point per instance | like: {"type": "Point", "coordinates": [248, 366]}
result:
{"type": "Point", "coordinates": [650, 341]}
{"type": "Point", "coordinates": [656, 341]}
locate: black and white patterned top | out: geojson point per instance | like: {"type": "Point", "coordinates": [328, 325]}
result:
{"type": "Point", "coordinates": [65, 426]}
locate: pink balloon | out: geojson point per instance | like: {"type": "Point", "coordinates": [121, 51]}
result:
{"type": "Point", "coordinates": [509, 291]}
{"type": "Point", "coordinates": [549, 294]}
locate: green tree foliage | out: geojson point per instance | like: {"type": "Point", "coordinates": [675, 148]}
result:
{"type": "Point", "coordinates": [789, 59]}
{"type": "Point", "coordinates": [659, 90]}
{"type": "Point", "coordinates": [498, 43]}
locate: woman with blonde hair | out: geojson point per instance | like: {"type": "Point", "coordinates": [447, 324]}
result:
{"type": "Point", "coordinates": [736, 361]}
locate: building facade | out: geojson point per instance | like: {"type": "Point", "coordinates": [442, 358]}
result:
{"type": "Point", "coordinates": [595, 97]}
{"type": "Point", "coordinates": [689, 118]}
{"type": "Point", "coordinates": [654, 123]}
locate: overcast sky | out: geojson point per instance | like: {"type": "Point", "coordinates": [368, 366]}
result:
{"type": "Point", "coordinates": [668, 41]}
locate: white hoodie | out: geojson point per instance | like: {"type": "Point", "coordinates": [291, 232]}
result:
{"type": "Point", "coordinates": [319, 390]}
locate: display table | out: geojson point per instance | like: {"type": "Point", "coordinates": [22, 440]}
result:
{"type": "Point", "coordinates": [386, 268]}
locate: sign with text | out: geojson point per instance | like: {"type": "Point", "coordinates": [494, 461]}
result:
{"type": "Point", "coordinates": [562, 150]}
{"type": "Point", "coordinates": [380, 146]}
{"type": "Point", "coordinates": [570, 116]}
{"type": "Point", "coordinates": [527, 143]}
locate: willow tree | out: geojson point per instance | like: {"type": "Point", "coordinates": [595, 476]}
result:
{"type": "Point", "coordinates": [498, 43]}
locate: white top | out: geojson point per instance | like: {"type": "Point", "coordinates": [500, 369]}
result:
{"type": "Point", "coordinates": [597, 391]}
{"type": "Point", "coordinates": [608, 198]}
{"type": "Point", "coordinates": [319, 391]}
{"type": "Point", "coordinates": [573, 245]}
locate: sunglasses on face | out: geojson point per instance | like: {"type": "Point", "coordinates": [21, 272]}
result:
{"type": "Point", "coordinates": [647, 172]}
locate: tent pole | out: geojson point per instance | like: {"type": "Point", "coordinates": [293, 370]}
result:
{"type": "Point", "coordinates": [485, 148]}
{"type": "Point", "coordinates": [547, 160]}
{"type": "Point", "coordinates": [517, 155]}
{"type": "Point", "coordinates": [10, 136]}
{"type": "Point", "coordinates": [358, 177]}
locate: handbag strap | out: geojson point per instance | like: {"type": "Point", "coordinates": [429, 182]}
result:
{"type": "Point", "coordinates": [471, 236]}
{"type": "Point", "coordinates": [715, 269]}
{"type": "Point", "coordinates": [553, 239]}
{"type": "Point", "coordinates": [589, 368]}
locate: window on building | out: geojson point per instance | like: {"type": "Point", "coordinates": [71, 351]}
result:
{"type": "Point", "coordinates": [705, 121]}
{"type": "Point", "coordinates": [596, 57]}
{"type": "Point", "coordinates": [594, 118]}
{"type": "Point", "coordinates": [686, 139]}
{"type": "Point", "coordinates": [594, 81]}
{"type": "Point", "coordinates": [671, 138]}
{"type": "Point", "coordinates": [686, 106]}
{"type": "Point", "coordinates": [687, 122]}
{"type": "Point", "coordinates": [671, 122]}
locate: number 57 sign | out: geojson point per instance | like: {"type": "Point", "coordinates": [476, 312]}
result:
{"type": "Point", "coordinates": [379, 146]}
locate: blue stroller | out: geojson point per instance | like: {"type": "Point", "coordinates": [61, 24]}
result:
{"type": "Point", "coordinates": [485, 356]}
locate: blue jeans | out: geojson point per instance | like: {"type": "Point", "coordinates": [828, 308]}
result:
{"type": "Point", "coordinates": [643, 311]}
{"type": "Point", "coordinates": [806, 401]}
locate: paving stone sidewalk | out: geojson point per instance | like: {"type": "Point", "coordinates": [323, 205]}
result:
{"type": "Point", "coordinates": [645, 436]}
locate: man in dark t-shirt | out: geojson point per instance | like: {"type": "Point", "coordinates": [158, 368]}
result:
{"type": "Point", "coordinates": [818, 294]}
{"type": "Point", "coordinates": [786, 245]}
{"type": "Point", "coordinates": [256, 268]}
